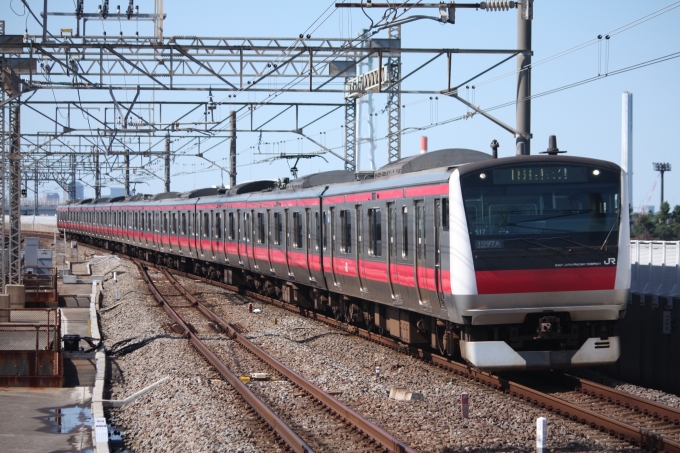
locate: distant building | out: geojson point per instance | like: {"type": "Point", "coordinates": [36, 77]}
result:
{"type": "Point", "coordinates": [50, 199]}
{"type": "Point", "coordinates": [116, 192]}
{"type": "Point", "coordinates": [80, 192]}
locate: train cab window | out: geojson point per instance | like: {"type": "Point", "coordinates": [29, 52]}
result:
{"type": "Point", "coordinates": [345, 231]}
{"type": "Point", "coordinates": [206, 224]}
{"type": "Point", "coordinates": [445, 213]}
{"type": "Point", "coordinates": [232, 227]}
{"type": "Point", "coordinates": [297, 230]}
{"type": "Point", "coordinates": [374, 232]}
{"type": "Point", "coordinates": [218, 225]}
{"type": "Point", "coordinates": [260, 228]}
{"type": "Point", "coordinates": [183, 223]}
{"type": "Point", "coordinates": [278, 228]}
{"type": "Point", "coordinates": [404, 225]}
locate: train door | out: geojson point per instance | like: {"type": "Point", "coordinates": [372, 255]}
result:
{"type": "Point", "coordinates": [251, 239]}
{"type": "Point", "coordinates": [215, 232]}
{"type": "Point", "coordinates": [421, 253]}
{"type": "Point", "coordinates": [360, 262]}
{"type": "Point", "coordinates": [332, 247]}
{"type": "Point", "coordinates": [392, 275]}
{"type": "Point", "coordinates": [286, 239]}
{"type": "Point", "coordinates": [438, 225]}
{"type": "Point", "coordinates": [191, 231]}
{"type": "Point", "coordinates": [309, 244]}
{"type": "Point", "coordinates": [239, 238]}
{"type": "Point", "coordinates": [265, 236]}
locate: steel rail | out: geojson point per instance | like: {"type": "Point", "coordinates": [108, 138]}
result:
{"type": "Point", "coordinates": [632, 402]}
{"type": "Point", "coordinates": [624, 431]}
{"type": "Point", "coordinates": [381, 436]}
{"type": "Point", "coordinates": [286, 433]}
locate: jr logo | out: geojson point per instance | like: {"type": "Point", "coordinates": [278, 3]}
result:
{"type": "Point", "coordinates": [610, 261]}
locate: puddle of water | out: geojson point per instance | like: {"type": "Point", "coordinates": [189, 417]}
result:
{"type": "Point", "coordinates": [116, 441]}
{"type": "Point", "coordinates": [65, 420]}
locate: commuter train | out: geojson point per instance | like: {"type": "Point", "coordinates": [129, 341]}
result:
{"type": "Point", "coordinates": [513, 264]}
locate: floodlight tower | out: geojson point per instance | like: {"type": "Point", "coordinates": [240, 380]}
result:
{"type": "Point", "coordinates": [661, 167]}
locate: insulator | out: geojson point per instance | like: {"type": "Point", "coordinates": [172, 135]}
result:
{"type": "Point", "coordinates": [497, 5]}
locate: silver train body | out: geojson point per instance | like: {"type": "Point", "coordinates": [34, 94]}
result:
{"type": "Point", "coordinates": [513, 263]}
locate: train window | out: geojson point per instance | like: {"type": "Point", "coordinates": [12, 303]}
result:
{"type": "Point", "coordinates": [218, 225]}
{"type": "Point", "coordinates": [206, 224]}
{"type": "Point", "coordinates": [165, 222]}
{"type": "Point", "coordinates": [345, 232]}
{"type": "Point", "coordinates": [404, 226]}
{"type": "Point", "coordinates": [391, 229]}
{"type": "Point", "coordinates": [374, 232]}
{"type": "Point", "coordinates": [183, 223]}
{"type": "Point", "coordinates": [278, 230]}
{"type": "Point", "coordinates": [260, 228]}
{"type": "Point", "coordinates": [317, 228]}
{"type": "Point", "coordinates": [246, 218]}
{"type": "Point", "coordinates": [232, 227]}
{"type": "Point", "coordinates": [445, 213]}
{"type": "Point", "coordinates": [174, 223]}
{"type": "Point", "coordinates": [142, 217]}
{"type": "Point", "coordinates": [324, 226]}
{"type": "Point", "coordinates": [420, 224]}
{"type": "Point", "coordinates": [360, 230]}
{"type": "Point", "coordinates": [297, 230]}
{"type": "Point", "coordinates": [308, 229]}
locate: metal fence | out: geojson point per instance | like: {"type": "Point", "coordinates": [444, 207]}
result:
{"type": "Point", "coordinates": [30, 348]}
{"type": "Point", "coordinates": [655, 272]}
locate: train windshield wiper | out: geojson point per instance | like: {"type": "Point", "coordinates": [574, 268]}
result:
{"type": "Point", "coordinates": [616, 221]}
{"type": "Point", "coordinates": [577, 243]}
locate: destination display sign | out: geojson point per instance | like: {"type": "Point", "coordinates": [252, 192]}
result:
{"type": "Point", "coordinates": [540, 174]}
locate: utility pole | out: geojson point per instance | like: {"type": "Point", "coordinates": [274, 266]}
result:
{"type": "Point", "coordinates": [97, 174]}
{"type": "Point", "coordinates": [525, 14]}
{"type": "Point", "coordinates": [661, 167]}
{"type": "Point", "coordinates": [35, 190]}
{"type": "Point", "coordinates": [232, 149]}
{"type": "Point", "coordinates": [3, 157]}
{"type": "Point", "coordinates": [394, 100]}
{"type": "Point", "coordinates": [167, 162]}
{"type": "Point", "coordinates": [14, 274]}
{"type": "Point", "coordinates": [127, 172]}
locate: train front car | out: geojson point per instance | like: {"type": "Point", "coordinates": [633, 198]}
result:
{"type": "Point", "coordinates": [540, 268]}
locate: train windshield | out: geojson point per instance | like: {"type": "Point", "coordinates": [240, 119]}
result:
{"type": "Point", "coordinates": [564, 205]}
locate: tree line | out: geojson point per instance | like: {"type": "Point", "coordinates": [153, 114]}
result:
{"type": "Point", "coordinates": [663, 225]}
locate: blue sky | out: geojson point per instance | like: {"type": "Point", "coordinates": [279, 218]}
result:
{"type": "Point", "coordinates": [585, 118]}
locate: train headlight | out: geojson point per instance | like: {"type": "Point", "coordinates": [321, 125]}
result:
{"type": "Point", "coordinates": [482, 175]}
{"type": "Point", "coordinates": [596, 172]}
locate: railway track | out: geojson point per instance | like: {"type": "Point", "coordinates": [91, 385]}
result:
{"type": "Point", "coordinates": [629, 418]}
{"type": "Point", "coordinates": [305, 417]}
{"type": "Point", "coordinates": [640, 422]}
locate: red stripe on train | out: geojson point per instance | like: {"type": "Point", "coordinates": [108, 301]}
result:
{"type": "Point", "coordinates": [546, 280]}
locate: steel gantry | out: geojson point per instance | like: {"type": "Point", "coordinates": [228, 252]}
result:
{"type": "Point", "coordinates": [102, 65]}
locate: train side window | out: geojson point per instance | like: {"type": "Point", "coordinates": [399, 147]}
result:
{"type": "Point", "coordinates": [260, 228]}
{"type": "Point", "coordinates": [165, 222]}
{"type": "Point", "coordinates": [374, 232]}
{"type": "Point", "coordinates": [445, 213]}
{"type": "Point", "coordinates": [420, 225]}
{"type": "Point", "coordinates": [218, 225]}
{"type": "Point", "coordinates": [345, 232]}
{"type": "Point", "coordinates": [324, 226]}
{"type": "Point", "coordinates": [404, 226]}
{"type": "Point", "coordinates": [317, 228]}
{"type": "Point", "coordinates": [297, 230]}
{"type": "Point", "coordinates": [174, 223]}
{"type": "Point", "coordinates": [206, 224]}
{"type": "Point", "coordinates": [183, 223]}
{"type": "Point", "coordinates": [391, 229]}
{"type": "Point", "coordinates": [278, 228]}
{"type": "Point", "coordinates": [142, 217]}
{"type": "Point", "coordinates": [232, 228]}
